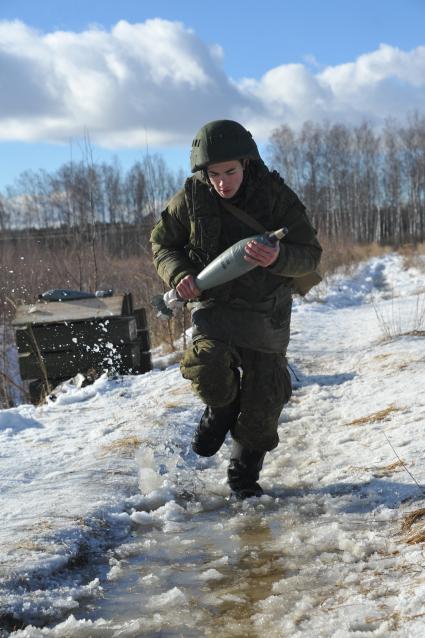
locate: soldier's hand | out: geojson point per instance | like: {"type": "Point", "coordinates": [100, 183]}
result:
{"type": "Point", "coordinates": [187, 289]}
{"type": "Point", "coordinates": [261, 254]}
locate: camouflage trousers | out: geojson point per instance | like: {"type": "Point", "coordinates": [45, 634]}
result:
{"type": "Point", "coordinates": [265, 387]}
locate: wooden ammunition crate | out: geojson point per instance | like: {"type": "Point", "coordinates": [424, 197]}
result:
{"type": "Point", "coordinates": [58, 339]}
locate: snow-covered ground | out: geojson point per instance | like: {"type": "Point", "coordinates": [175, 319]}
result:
{"type": "Point", "coordinates": [111, 526]}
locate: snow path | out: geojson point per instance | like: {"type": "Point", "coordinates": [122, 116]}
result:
{"type": "Point", "coordinates": [322, 554]}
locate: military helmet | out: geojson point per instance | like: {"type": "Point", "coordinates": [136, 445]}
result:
{"type": "Point", "coordinates": [221, 141]}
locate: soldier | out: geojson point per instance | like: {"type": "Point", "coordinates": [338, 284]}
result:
{"type": "Point", "coordinates": [237, 362]}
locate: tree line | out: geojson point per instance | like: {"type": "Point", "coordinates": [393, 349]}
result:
{"type": "Point", "coordinates": [358, 183]}
{"type": "Point", "coordinates": [80, 194]}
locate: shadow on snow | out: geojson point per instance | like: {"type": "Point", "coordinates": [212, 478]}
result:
{"type": "Point", "coordinates": [362, 497]}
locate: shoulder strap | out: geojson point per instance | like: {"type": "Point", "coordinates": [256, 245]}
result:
{"type": "Point", "coordinates": [244, 217]}
{"type": "Point", "coordinates": [301, 285]}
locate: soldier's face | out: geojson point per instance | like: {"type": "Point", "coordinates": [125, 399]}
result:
{"type": "Point", "coordinates": [226, 177]}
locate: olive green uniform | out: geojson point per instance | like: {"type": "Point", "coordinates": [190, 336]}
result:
{"type": "Point", "coordinates": [246, 322]}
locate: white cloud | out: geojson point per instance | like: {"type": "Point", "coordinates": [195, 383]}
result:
{"type": "Point", "coordinates": [156, 77]}
{"type": "Point", "coordinates": [158, 81]}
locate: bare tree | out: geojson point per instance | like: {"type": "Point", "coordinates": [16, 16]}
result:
{"type": "Point", "coordinates": [392, 218]}
{"type": "Point", "coordinates": [285, 156]}
{"type": "Point", "coordinates": [365, 220]}
{"type": "Point", "coordinates": [4, 215]}
{"type": "Point", "coordinates": [413, 153]}
{"type": "Point", "coordinates": [160, 183]}
{"type": "Point", "coordinates": [135, 193]}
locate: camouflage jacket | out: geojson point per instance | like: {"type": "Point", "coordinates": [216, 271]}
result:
{"type": "Point", "coordinates": [195, 228]}
{"type": "Point", "coordinates": [254, 310]}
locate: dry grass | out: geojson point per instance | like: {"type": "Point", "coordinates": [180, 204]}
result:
{"type": "Point", "coordinates": [171, 405]}
{"type": "Point", "coordinates": [396, 323]}
{"type": "Point", "coordinates": [392, 323]}
{"type": "Point", "coordinates": [344, 255]}
{"type": "Point", "coordinates": [376, 417]}
{"type": "Point", "coordinates": [30, 546]}
{"type": "Point", "coordinates": [179, 391]}
{"type": "Point", "coordinates": [414, 539]}
{"type": "Point", "coordinates": [124, 447]}
{"type": "Point", "coordinates": [389, 469]}
{"type": "Point", "coordinates": [384, 470]}
{"type": "Point", "coordinates": [42, 526]}
{"type": "Point", "coordinates": [380, 357]}
{"type": "Point", "coordinates": [411, 520]}
{"type": "Point", "coordinates": [393, 619]}
{"type": "Point", "coordinates": [413, 256]}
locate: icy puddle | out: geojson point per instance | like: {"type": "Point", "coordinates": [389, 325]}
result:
{"type": "Point", "coordinates": [294, 564]}
{"type": "Point", "coordinates": [206, 577]}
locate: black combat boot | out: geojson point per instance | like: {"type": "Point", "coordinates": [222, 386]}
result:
{"type": "Point", "coordinates": [213, 427]}
{"type": "Point", "coordinates": [215, 423]}
{"type": "Point", "coordinates": [244, 471]}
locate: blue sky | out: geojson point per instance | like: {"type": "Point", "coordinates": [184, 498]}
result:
{"type": "Point", "coordinates": [135, 82]}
